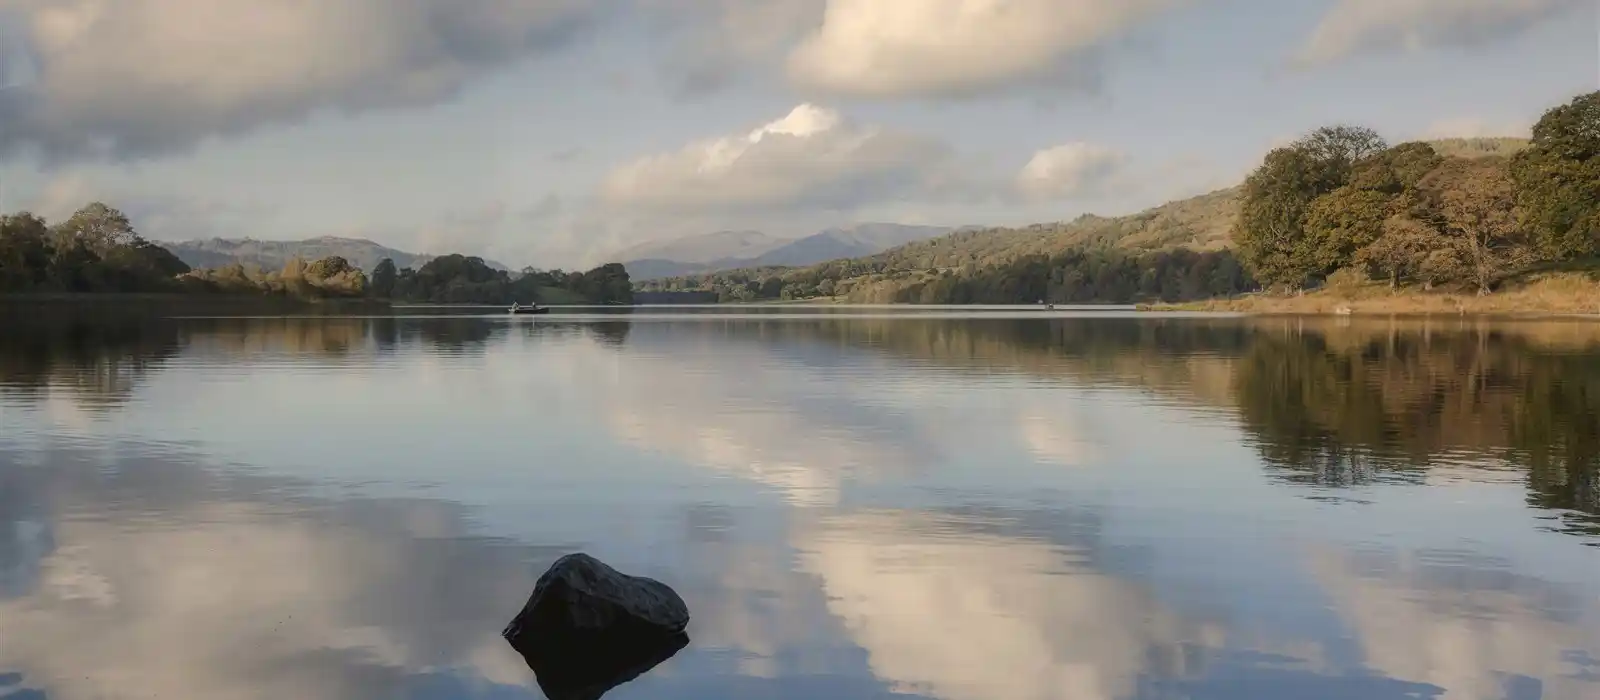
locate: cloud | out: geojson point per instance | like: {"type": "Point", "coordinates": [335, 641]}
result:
{"type": "Point", "coordinates": [719, 39]}
{"type": "Point", "coordinates": [163, 216]}
{"type": "Point", "coordinates": [811, 158]}
{"type": "Point", "coordinates": [136, 77]}
{"type": "Point", "coordinates": [1459, 620]}
{"type": "Point", "coordinates": [1472, 127]}
{"type": "Point", "coordinates": [1069, 170]}
{"type": "Point", "coordinates": [1353, 26]}
{"type": "Point", "coordinates": [952, 48]}
{"type": "Point", "coordinates": [250, 597]}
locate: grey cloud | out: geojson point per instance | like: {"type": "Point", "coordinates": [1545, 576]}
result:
{"type": "Point", "coordinates": [165, 217]}
{"type": "Point", "coordinates": [939, 49]}
{"type": "Point", "coordinates": [1353, 26]}
{"type": "Point", "coordinates": [140, 77]}
{"type": "Point", "coordinates": [954, 48]}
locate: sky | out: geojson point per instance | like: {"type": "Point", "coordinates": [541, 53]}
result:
{"type": "Point", "coordinates": [555, 133]}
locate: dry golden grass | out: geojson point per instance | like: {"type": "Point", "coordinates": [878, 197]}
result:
{"type": "Point", "coordinates": [1547, 293]}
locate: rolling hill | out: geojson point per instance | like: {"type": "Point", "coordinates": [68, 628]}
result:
{"type": "Point", "coordinates": [704, 249]}
{"type": "Point", "coordinates": [739, 249]}
{"type": "Point", "coordinates": [271, 255]}
{"type": "Point", "coordinates": [1198, 223]}
{"type": "Point", "coordinates": [1202, 223]}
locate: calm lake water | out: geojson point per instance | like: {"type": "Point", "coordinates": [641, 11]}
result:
{"type": "Point", "coordinates": [856, 503]}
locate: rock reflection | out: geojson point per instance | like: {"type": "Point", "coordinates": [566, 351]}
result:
{"type": "Point", "coordinates": [586, 673]}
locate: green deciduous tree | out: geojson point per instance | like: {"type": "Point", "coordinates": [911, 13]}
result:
{"type": "Point", "coordinates": [1340, 223]}
{"type": "Point", "coordinates": [1558, 179]}
{"type": "Point", "coordinates": [384, 275]}
{"type": "Point", "coordinates": [1279, 195]}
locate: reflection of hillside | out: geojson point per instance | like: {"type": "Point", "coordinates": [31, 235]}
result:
{"type": "Point", "coordinates": [240, 590]}
{"type": "Point", "coordinates": [98, 358]}
{"type": "Point", "coordinates": [1186, 358]}
{"type": "Point", "coordinates": [1326, 402]}
{"type": "Point", "coordinates": [1392, 398]}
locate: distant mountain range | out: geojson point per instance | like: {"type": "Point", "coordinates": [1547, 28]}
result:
{"type": "Point", "coordinates": [726, 250]}
{"type": "Point", "coordinates": [271, 255]}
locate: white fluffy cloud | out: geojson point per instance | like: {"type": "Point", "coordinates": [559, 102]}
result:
{"type": "Point", "coordinates": [129, 77]}
{"type": "Point", "coordinates": [875, 48]}
{"type": "Point", "coordinates": [813, 157]}
{"type": "Point", "coordinates": [1069, 170]}
{"type": "Point", "coordinates": [1360, 25]}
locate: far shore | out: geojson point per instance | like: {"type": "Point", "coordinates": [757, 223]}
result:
{"type": "Point", "coordinates": [185, 301]}
{"type": "Point", "coordinates": [1547, 294]}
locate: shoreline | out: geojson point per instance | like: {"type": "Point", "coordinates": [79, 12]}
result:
{"type": "Point", "coordinates": [1548, 295]}
{"type": "Point", "coordinates": [157, 301]}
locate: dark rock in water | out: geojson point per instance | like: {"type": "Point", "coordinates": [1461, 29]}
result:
{"type": "Point", "coordinates": [581, 596]}
{"type": "Point", "coordinates": [588, 628]}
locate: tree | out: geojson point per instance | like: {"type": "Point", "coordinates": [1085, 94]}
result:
{"type": "Point", "coordinates": [384, 275]}
{"type": "Point", "coordinates": [102, 228]}
{"type": "Point", "coordinates": [1340, 147]}
{"type": "Point", "coordinates": [1271, 227]}
{"type": "Point", "coordinates": [1558, 179]}
{"type": "Point", "coordinates": [327, 267]}
{"type": "Point", "coordinates": [1400, 250]}
{"type": "Point", "coordinates": [1410, 162]}
{"type": "Point", "coordinates": [1396, 170]}
{"type": "Point", "coordinates": [336, 276]}
{"type": "Point", "coordinates": [1342, 222]}
{"type": "Point", "coordinates": [25, 252]}
{"type": "Point", "coordinates": [127, 261]}
{"type": "Point", "coordinates": [1271, 230]}
{"type": "Point", "coordinates": [1473, 206]}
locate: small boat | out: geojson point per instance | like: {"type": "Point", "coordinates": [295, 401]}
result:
{"type": "Point", "coordinates": [535, 309]}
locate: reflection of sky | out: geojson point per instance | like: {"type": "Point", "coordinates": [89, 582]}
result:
{"type": "Point", "coordinates": [842, 523]}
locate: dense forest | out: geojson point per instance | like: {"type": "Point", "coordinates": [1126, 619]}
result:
{"type": "Point", "coordinates": [1342, 199]}
{"type": "Point", "coordinates": [458, 279]}
{"type": "Point", "coordinates": [97, 250]}
{"type": "Point", "coordinates": [1467, 213]}
{"type": "Point", "coordinates": [1076, 276]}
{"type": "Point", "coordinates": [94, 250]}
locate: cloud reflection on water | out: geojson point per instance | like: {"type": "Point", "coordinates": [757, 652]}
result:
{"type": "Point", "coordinates": [878, 572]}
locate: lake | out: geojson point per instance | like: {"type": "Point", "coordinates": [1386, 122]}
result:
{"type": "Point", "coordinates": [855, 502]}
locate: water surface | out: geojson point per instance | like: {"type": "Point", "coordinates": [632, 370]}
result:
{"type": "Point", "coordinates": [856, 503]}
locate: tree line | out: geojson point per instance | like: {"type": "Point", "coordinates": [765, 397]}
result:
{"type": "Point", "coordinates": [94, 250]}
{"type": "Point", "coordinates": [459, 279]}
{"type": "Point", "coordinates": [98, 250]}
{"type": "Point", "coordinates": [1341, 198]}
{"type": "Point", "coordinates": [1093, 275]}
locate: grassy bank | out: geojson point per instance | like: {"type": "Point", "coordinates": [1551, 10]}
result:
{"type": "Point", "coordinates": [1539, 294]}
